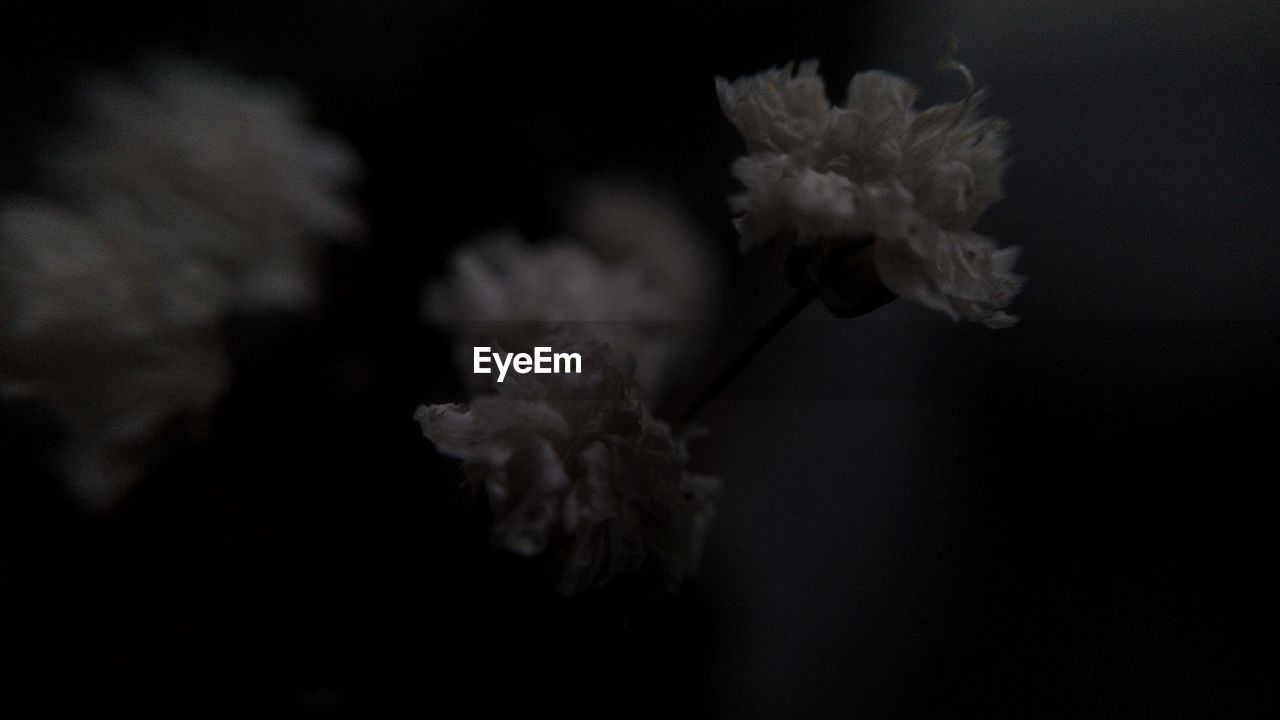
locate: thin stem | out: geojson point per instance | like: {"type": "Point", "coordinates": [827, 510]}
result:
{"type": "Point", "coordinates": [799, 301]}
{"type": "Point", "coordinates": [949, 62]}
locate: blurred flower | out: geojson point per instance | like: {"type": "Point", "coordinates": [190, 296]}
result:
{"type": "Point", "coordinates": [637, 283]}
{"type": "Point", "coordinates": [117, 343]}
{"type": "Point", "coordinates": [502, 291]}
{"type": "Point", "coordinates": [227, 171]}
{"type": "Point", "coordinates": [630, 224]}
{"type": "Point", "coordinates": [576, 471]}
{"type": "Point", "coordinates": [852, 200]}
{"type": "Point", "coordinates": [171, 205]}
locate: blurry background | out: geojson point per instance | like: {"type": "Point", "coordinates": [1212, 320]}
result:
{"type": "Point", "coordinates": [1067, 519]}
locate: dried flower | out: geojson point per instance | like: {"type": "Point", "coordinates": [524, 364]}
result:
{"type": "Point", "coordinates": [576, 471]}
{"type": "Point", "coordinates": [171, 204]}
{"type": "Point", "coordinates": [871, 195]}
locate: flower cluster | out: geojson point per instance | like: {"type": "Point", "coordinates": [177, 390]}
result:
{"type": "Point", "coordinates": [573, 466]}
{"type": "Point", "coordinates": [871, 195]}
{"type": "Point", "coordinates": [172, 203]}
{"type": "Point", "coordinates": [577, 472]}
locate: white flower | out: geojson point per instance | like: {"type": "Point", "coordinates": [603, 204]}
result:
{"type": "Point", "coordinates": [777, 110]}
{"type": "Point", "coordinates": [577, 472]}
{"type": "Point", "coordinates": [502, 278]}
{"type": "Point", "coordinates": [638, 282]}
{"type": "Point", "coordinates": [116, 343]}
{"type": "Point", "coordinates": [791, 200]}
{"type": "Point", "coordinates": [171, 203]}
{"type": "Point", "coordinates": [909, 186]}
{"type": "Point", "coordinates": [226, 170]}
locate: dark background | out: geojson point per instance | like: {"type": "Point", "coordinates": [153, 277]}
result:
{"type": "Point", "coordinates": [1067, 519]}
